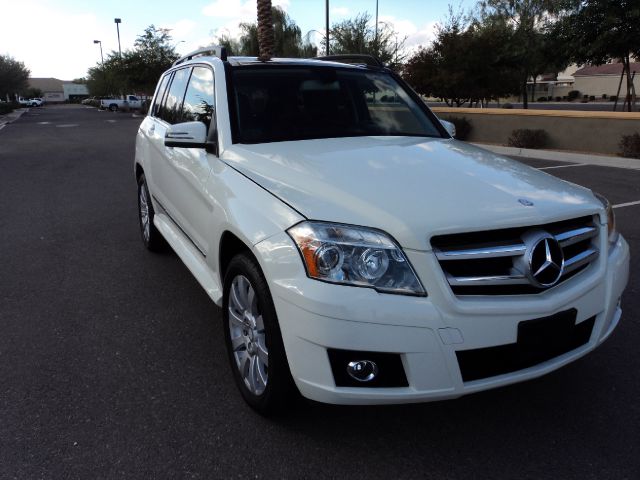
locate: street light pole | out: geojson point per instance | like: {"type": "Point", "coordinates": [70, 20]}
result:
{"type": "Point", "coordinates": [327, 26]}
{"type": "Point", "coordinates": [376, 38]}
{"type": "Point", "coordinates": [101, 56]}
{"type": "Point", "coordinates": [118, 21]}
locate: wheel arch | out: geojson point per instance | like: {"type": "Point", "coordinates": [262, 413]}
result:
{"type": "Point", "coordinates": [230, 245]}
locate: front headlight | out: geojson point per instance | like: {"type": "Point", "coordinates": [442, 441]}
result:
{"type": "Point", "coordinates": [355, 256]}
{"type": "Point", "coordinates": [611, 218]}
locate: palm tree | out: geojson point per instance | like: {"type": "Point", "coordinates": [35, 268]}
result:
{"type": "Point", "coordinates": [265, 30]}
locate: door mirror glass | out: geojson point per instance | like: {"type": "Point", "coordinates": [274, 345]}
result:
{"type": "Point", "coordinates": [186, 135]}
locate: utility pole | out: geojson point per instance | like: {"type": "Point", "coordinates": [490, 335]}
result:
{"type": "Point", "coordinates": [376, 37]}
{"type": "Point", "coordinates": [327, 26]}
{"type": "Point", "coordinates": [101, 57]}
{"type": "Point", "coordinates": [118, 21]}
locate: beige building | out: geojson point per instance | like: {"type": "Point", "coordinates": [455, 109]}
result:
{"type": "Point", "coordinates": [604, 80]}
{"type": "Point", "coordinates": [58, 91]}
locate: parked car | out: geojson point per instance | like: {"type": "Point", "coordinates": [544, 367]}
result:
{"type": "Point", "coordinates": [360, 255]}
{"type": "Point", "coordinates": [30, 102]}
{"type": "Point", "coordinates": [131, 102]}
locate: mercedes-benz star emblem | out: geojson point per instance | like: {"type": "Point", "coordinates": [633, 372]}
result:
{"type": "Point", "coordinates": [545, 261]}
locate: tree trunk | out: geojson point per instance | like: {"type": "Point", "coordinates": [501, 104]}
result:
{"type": "Point", "coordinates": [525, 97]}
{"type": "Point", "coordinates": [533, 91]}
{"type": "Point", "coordinates": [627, 68]}
{"type": "Point", "coordinates": [265, 30]}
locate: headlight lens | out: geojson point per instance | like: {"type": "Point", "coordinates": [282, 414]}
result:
{"type": "Point", "coordinates": [611, 218]}
{"type": "Point", "coordinates": [355, 256]}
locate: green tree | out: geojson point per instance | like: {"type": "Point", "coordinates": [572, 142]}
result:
{"type": "Point", "coordinates": [14, 77]}
{"type": "Point", "coordinates": [31, 92]}
{"type": "Point", "coordinates": [467, 62]}
{"type": "Point", "coordinates": [358, 35]}
{"type": "Point", "coordinates": [602, 30]}
{"type": "Point", "coordinates": [138, 69]}
{"type": "Point", "coordinates": [530, 20]}
{"type": "Point", "coordinates": [287, 38]}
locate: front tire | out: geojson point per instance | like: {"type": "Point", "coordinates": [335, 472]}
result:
{"type": "Point", "coordinates": [113, 108]}
{"type": "Point", "coordinates": [151, 237]}
{"type": "Point", "coordinates": [254, 341]}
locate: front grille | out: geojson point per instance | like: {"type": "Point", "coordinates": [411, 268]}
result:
{"type": "Point", "coordinates": [496, 262]}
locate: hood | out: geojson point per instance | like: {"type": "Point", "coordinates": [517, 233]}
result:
{"type": "Point", "coordinates": [412, 188]}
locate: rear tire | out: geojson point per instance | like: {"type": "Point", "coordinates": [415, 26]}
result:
{"type": "Point", "coordinates": [151, 237]}
{"type": "Point", "coordinates": [253, 338]}
{"type": "Point", "coordinates": [113, 108]}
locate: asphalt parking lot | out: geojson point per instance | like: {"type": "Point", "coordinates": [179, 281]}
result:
{"type": "Point", "coordinates": [112, 361]}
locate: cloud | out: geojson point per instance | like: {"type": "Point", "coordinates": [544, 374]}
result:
{"type": "Point", "coordinates": [340, 11]}
{"type": "Point", "coordinates": [238, 9]}
{"type": "Point", "coordinates": [415, 36]}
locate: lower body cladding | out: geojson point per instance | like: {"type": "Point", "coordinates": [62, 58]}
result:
{"type": "Point", "coordinates": [350, 345]}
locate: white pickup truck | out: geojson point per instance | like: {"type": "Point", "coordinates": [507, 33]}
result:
{"type": "Point", "coordinates": [128, 102]}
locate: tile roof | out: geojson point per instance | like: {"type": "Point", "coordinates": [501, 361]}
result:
{"type": "Point", "coordinates": [46, 84]}
{"type": "Point", "coordinates": [608, 69]}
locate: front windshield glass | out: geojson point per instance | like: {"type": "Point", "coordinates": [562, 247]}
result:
{"type": "Point", "coordinates": [297, 103]}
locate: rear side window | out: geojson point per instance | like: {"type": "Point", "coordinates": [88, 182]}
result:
{"type": "Point", "coordinates": [171, 111]}
{"type": "Point", "coordinates": [160, 95]}
{"type": "Point", "coordinates": [199, 103]}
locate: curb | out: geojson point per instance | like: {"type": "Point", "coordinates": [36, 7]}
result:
{"type": "Point", "coordinates": [12, 117]}
{"type": "Point", "coordinates": [553, 155]}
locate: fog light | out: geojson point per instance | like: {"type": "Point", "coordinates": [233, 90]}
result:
{"type": "Point", "coordinates": [362, 370]}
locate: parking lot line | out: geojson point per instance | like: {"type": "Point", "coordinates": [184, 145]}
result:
{"type": "Point", "coordinates": [564, 166]}
{"type": "Point", "coordinates": [628, 204]}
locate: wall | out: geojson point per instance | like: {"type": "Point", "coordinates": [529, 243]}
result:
{"type": "Point", "coordinates": [595, 132]}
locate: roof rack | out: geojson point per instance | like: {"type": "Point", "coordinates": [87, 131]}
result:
{"type": "Point", "coordinates": [211, 51]}
{"type": "Point", "coordinates": [353, 59]}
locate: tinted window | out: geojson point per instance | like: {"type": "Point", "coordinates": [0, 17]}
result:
{"type": "Point", "coordinates": [171, 111]}
{"type": "Point", "coordinates": [199, 101]}
{"type": "Point", "coordinates": [160, 95]}
{"type": "Point", "coordinates": [279, 104]}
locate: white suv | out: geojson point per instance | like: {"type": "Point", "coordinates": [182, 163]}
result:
{"type": "Point", "coordinates": [360, 254]}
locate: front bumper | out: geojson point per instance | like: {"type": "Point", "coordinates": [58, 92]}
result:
{"type": "Point", "coordinates": [425, 332]}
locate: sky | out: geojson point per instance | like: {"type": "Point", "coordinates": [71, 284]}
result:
{"type": "Point", "coordinates": [54, 38]}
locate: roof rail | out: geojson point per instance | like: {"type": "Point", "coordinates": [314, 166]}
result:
{"type": "Point", "coordinates": [353, 59]}
{"type": "Point", "coordinates": [211, 50]}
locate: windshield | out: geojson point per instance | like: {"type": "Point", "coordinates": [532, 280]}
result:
{"type": "Point", "coordinates": [280, 104]}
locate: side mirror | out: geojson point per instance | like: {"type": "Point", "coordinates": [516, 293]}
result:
{"type": "Point", "coordinates": [450, 127]}
{"type": "Point", "coordinates": [186, 135]}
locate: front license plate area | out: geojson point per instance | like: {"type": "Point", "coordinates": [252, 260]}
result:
{"type": "Point", "coordinates": [538, 340]}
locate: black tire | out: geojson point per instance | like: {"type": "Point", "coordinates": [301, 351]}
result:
{"type": "Point", "coordinates": [113, 107]}
{"type": "Point", "coordinates": [151, 237]}
{"type": "Point", "coordinates": [280, 392]}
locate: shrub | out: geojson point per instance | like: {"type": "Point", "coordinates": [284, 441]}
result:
{"type": "Point", "coordinates": [5, 108]}
{"type": "Point", "coordinates": [527, 138]}
{"type": "Point", "coordinates": [592, 98]}
{"type": "Point", "coordinates": [558, 99]}
{"type": "Point", "coordinates": [630, 146]}
{"type": "Point", "coordinates": [463, 127]}
{"type": "Point", "coordinates": [613, 98]}
{"type": "Point", "coordinates": [604, 96]}
{"type": "Point", "coordinates": [573, 95]}
{"type": "Point", "coordinates": [507, 105]}
{"type": "Point", "coordinates": [542, 99]}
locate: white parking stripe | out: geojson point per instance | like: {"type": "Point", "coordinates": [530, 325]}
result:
{"type": "Point", "coordinates": [564, 166]}
{"type": "Point", "coordinates": [628, 204]}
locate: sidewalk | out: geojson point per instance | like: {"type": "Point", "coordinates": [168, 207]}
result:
{"type": "Point", "coordinates": [560, 156]}
{"type": "Point", "coordinates": [12, 117]}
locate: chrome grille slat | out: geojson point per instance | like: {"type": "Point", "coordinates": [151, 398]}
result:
{"type": "Point", "coordinates": [574, 236]}
{"type": "Point", "coordinates": [481, 252]}
{"type": "Point", "coordinates": [497, 262]}
{"type": "Point", "coordinates": [488, 280]}
{"type": "Point", "coordinates": [579, 260]}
